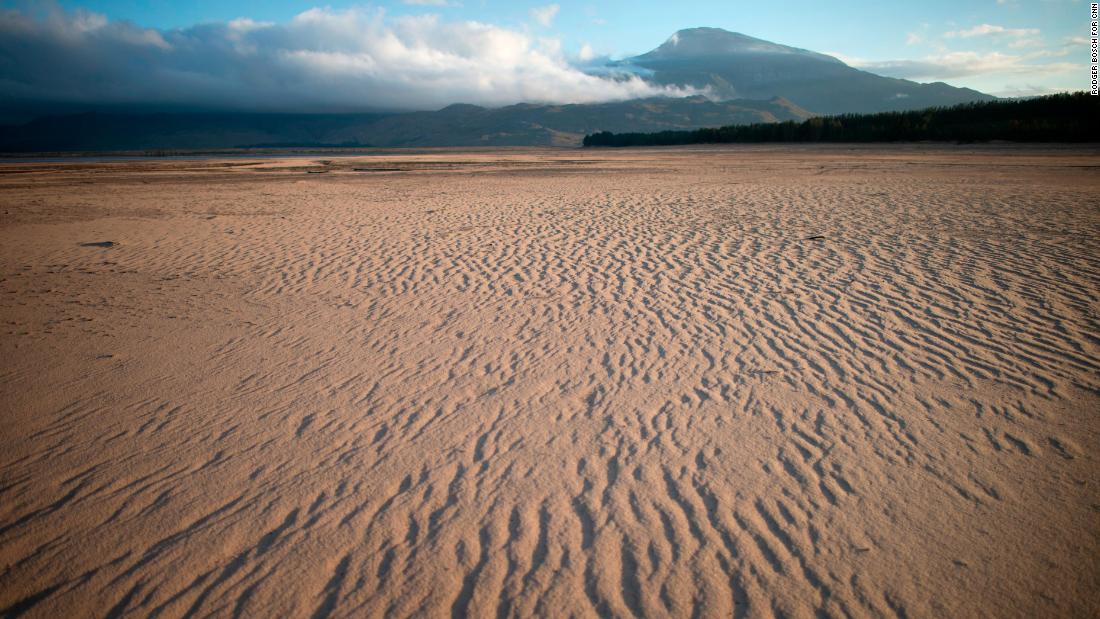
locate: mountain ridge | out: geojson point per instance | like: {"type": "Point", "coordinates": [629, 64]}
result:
{"type": "Point", "coordinates": [460, 124]}
{"type": "Point", "coordinates": [731, 65]}
{"type": "Point", "coordinates": [703, 41]}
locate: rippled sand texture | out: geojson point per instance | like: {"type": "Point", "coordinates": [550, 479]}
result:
{"type": "Point", "coordinates": [713, 382]}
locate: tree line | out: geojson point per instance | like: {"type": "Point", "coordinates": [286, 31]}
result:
{"type": "Point", "coordinates": [1068, 117]}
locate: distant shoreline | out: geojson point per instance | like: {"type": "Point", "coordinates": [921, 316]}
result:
{"type": "Point", "coordinates": [201, 155]}
{"type": "Point", "coordinates": [238, 153]}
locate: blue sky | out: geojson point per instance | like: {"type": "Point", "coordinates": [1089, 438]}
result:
{"type": "Point", "coordinates": [425, 53]}
{"type": "Point", "coordinates": [1034, 51]}
{"type": "Point", "coordinates": [866, 31]}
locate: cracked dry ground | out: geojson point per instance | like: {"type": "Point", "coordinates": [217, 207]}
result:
{"type": "Point", "coordinates": [797, 381]}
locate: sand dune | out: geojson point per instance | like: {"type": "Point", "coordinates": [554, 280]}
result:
{"type": "Point", "coordinates": [788, 381]}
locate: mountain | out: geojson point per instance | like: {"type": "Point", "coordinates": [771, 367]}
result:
{"type": "Point", "coordinates": [733, 65]}
{"type": "Point", "coordinates": [456, 125]}
{"type": "Point", "coordinates": [746, 80]}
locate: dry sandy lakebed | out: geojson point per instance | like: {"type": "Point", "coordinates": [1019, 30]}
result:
{"type": "Point", "coordinates": [744, 381]}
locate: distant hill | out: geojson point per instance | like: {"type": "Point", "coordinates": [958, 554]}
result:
{"type": "Point", "coordinates": [99, 131]}
{"type": "Point", "coordinates": [1054, 118]}
{"type": "Point", "coordinates": [456, 125]}
{"type": "Point", "coordinates": [528, 124]}
{"type": "Point", "coordinates": [733, 65]}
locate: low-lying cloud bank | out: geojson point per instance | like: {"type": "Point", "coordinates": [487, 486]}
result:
{"type": "Point", "coordinates": [321, 60]}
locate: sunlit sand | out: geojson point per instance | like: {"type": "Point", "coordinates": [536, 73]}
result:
{"type": "Point", "coordinates": [744, 381]}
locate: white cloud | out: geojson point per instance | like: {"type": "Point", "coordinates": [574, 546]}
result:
{"type": "Point", "coordinates": [1026, 42]}
{"type": "Point", "coordinates": [991, 30]}
{"type": "Point", "coordinates": [1025, 90]}
{"type": "Point", "coordinates": [913, 39]}
{"type": "Point", "coordinates": [84, 21]}
{"type": "Point", "coordinates": [1018, 66]}
{"type": "Point", "coordinates": [851, 61]}
{"type": "Point", "coordinates": [244, 24]}
{"type": "Point", "coordinates": [321, 60]}
{"type": "Point", "coordinates": [545, 15]}
{"type": "Point", "coordinates": [586, 52]}
{"type": "Point", "coordinates": [961, 64]}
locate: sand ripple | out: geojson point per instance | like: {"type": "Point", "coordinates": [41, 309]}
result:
{"type": "Point", "coordinates": [716, 382]}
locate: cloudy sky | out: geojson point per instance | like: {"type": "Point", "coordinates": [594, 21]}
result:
{"type": "Point", "coordinates": [425, 54]}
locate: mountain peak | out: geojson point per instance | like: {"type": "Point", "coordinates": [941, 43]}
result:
{"type": "Point", "coordinates": [709, 42]}
{"type": "Point", "coordinates": [731, 65]}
